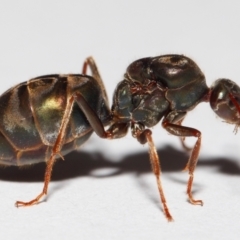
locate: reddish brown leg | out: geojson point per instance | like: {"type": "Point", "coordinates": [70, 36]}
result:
{"type": "Point", "coordinates": [119, 130]}
{"type": "Point", "coordinates": [55, 151]}
{"type": "Point", "coordinates": [143, 137]}
{"type": "Point", "coordinates": [115, 131]}
{"type": "Point", "coordinates": [183, 131]}
{"type": "Point", "coordinates": [185, 147]}
{"type": "Point", "coordinates": [182, 139]}
{"type": "Point", "coordinates": [89, 62]}
{"type": "Point", "coordinates": [47, 179]}
{"type": "Point", "coordinates": [92, 117]}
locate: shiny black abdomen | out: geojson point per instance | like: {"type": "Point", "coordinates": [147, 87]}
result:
{"type": "Point", "coordinates": [31, 114]}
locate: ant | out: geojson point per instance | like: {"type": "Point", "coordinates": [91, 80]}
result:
{"type": "Point", "coordinates": [49, 116]}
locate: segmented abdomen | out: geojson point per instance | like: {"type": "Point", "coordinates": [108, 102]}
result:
{"type": "Point", "coordinates": [31, 114]}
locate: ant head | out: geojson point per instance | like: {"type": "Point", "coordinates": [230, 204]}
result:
{"type": "Point", "coordinates": [225, 100]}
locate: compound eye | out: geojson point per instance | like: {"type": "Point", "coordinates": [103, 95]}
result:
{"type": "Point", "coordinates": [225, 100]}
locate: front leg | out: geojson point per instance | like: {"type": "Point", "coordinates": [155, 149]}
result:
{"type": "Point", "coordinates": [182, 139]}
{"type": "Point", "coordinates": [170, 123]}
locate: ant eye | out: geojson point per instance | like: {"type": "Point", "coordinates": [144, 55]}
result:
{"type": "Point", "coordinates": [225, 100]}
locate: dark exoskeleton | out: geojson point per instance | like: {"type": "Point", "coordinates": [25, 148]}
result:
{"type": "Point", "coordinates": [49, 116]}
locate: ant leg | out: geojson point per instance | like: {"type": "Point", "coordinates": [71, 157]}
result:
{"type": "Point", "coordinates": [184, 146]}
{"type": "Point", "coordinates": [143, 137]}
{"type": "Point", "coordinates": [182, 139]}
{"type": "Point", "coordinates": [183, 131]}
{"type": "Point", "coordinates": [89, 62]}
{"type": "Point", "coordinates": [117, 130]}
{"type": "Point", "coordinates": [55, 151]}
